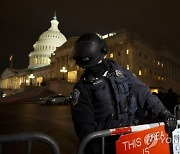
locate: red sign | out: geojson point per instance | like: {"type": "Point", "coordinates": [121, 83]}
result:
{"type": "Point", "coordinates": [151, 141]}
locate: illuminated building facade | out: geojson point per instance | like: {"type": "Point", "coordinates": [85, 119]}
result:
{"type": "Point", "coordinates": [46, 45]}
{"type": "Point", "coordinates": [39, 61]}
{"type": "Point", "coordinates": [13, 78]}
{"type": "Point", "coordinates": [60, 60]}
{"type": "Point", "coordinates": [159, 69]}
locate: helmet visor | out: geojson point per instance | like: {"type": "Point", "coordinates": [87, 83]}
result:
{"type": "Point", "coordinates": [86, 53]}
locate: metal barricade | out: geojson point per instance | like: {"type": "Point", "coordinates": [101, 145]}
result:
{"type": "Point", "coordinates": [29, 137]}
{"type": "Point", "coordinates": [116, 131]}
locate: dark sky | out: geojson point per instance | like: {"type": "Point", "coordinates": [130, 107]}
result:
{"type": "Point", "coordinates": [23, 21]}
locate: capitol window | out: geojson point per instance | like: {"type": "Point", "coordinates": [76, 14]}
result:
{"type": "Point", "coordinates": [119, 53]}
{"type": "Point", "coordinates": [150, 72]}
{"type": "Point", "coordinates": [105, 36]}
{"type": "Point", "coordinates": [127, 51]}
{"type": "Point", "coordinates": [111, 55]}
{"type": "Point", "coordinates": [140, 71]}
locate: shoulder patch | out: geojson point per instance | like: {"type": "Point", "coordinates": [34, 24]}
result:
{"type": "Point", "coordinates": [119, 73]}
{"type": "Point", "coordinates": [75, 97]}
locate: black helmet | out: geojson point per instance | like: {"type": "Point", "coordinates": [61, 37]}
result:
{"type": "Point", "coordinates": [88, 50]}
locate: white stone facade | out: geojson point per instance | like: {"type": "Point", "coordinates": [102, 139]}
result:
{"type": "Point", "coordinates": [46, 45]}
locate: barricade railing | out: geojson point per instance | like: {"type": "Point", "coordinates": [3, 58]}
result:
{"type": "Point", "coordinates": [116, 131]}
{"type": "Point", "coordinates": [177, 111]}
{"type": "Point", "coordinates": [29, 138]}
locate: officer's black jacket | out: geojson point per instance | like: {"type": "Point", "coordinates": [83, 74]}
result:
{"type": "Point", "coordinates": [95, 101]}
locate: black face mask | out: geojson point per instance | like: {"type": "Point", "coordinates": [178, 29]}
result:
{"type": "Point", "coordinates": [97, 70]}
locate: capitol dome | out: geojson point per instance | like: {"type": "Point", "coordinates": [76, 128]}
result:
{"type": "Point", "coordinates": [46, 45]}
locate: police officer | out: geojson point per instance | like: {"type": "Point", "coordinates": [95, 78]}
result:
{"type": "Point", "coordinates": [107, 95]}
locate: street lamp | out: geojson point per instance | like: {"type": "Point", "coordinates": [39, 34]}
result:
{"type": "Point", "coordinates": [63, 70]}
{"type": "Point", "coordinates": [31, 76]}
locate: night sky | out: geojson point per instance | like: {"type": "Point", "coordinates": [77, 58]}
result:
{"type": "Point", "coordinates": [23, 21]}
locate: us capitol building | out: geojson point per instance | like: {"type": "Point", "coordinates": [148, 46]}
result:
{"type": "Point", "coordinates": [48, 62]}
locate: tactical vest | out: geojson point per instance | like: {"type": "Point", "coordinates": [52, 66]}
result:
{"type": "Point", "coordinates": [111, 96]}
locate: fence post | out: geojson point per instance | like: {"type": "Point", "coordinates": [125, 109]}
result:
{"type": "Point", "coordinates": [177, 111]}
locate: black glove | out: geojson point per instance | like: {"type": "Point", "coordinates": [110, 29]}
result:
{"type": "Point", "coordinates": [169, 120]}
